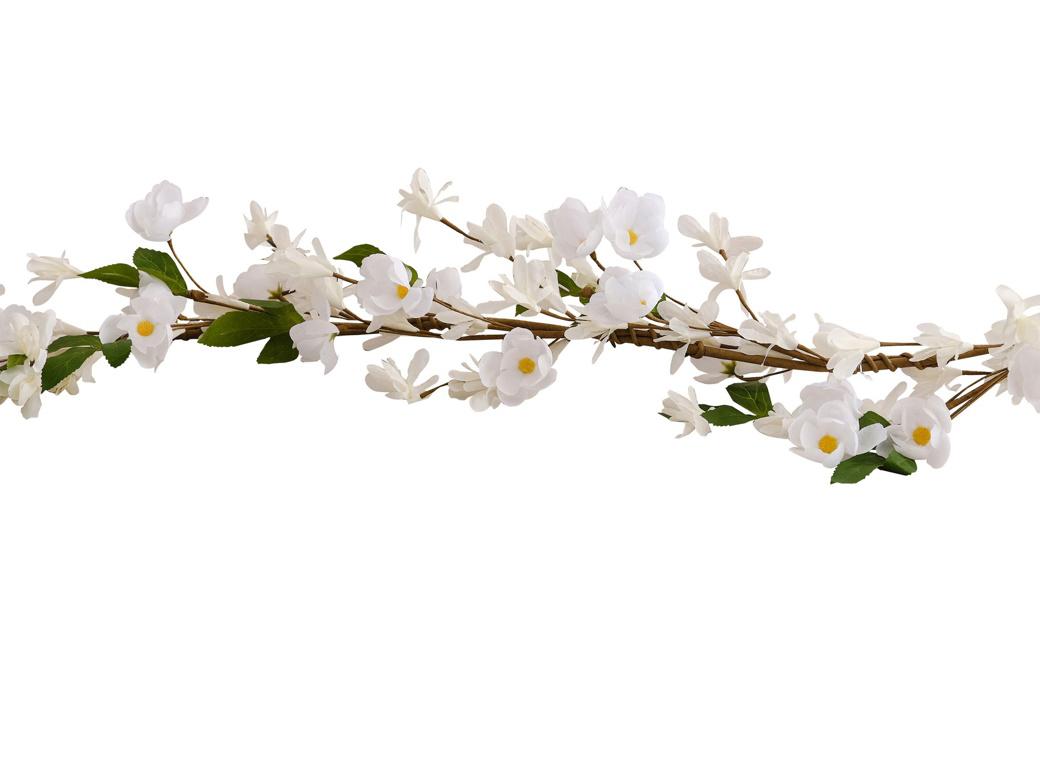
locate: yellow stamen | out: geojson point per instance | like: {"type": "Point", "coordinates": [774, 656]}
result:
{"type": "Point", "coordinates": [145, 328]}
{"type": "Point", "coordinates": [633, 236]}
{"type": "Point", "coordinates": [828, 444]}
{"type": "Point", "coordinates": [402, 291]}
{"type": "Point", "coordinates": [526, 365]}
{"type": "Point", "coordinates": [922, 436]}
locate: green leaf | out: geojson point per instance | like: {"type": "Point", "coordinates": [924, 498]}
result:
{"type": "Point", "coordinates": [162, 267]}
{"type": "Point", "coordinates": [725, 416]}
{"type": "Point", "coordinates": [358, 253]}
{"type": "Point", "coordinates": [854, 469]}
{"type": "Point", "coordinates": [752, 396]}
{"type": "Point", "coordinates": [568, 287]}
{"type": "Point", "coordinates": [237, 328]}
{"type": "Point", "coordinates": [71, 341]}
{"type": "Point", "coordinates": [899, 464]}
{"type": "Point", "coordinates": [413, 276]}
{"type": "Point", "coordinates": [872, 418]}
{"type": "Point", "coordinates": [15, 360]}
{"type": "Point", "coordinates": [283, 311]}
{"type": "Point", "coordinates": [278, 350]}
{"type": "Point", "coordinates": [116, 353]}
{"type": "Point", "coordinates": [60, 366]}
{"type": "Point", "coordinates": [120, 275]}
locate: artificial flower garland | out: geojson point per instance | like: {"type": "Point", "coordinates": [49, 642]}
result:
{"type": "Point", "coordinates": [557, 291]}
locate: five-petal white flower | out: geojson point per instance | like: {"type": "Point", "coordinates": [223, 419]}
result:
{"type": "Point", "coordinates": [717, 237]}
{"type": "Point", "coordinates": [634, 224]}
{"type": "Point", "coordinates": [920, 429]}
{"type": "Point", "coordinates": [520, 370]}
{"type": "Point", "coordinates": [728, 274]}
{"type": "Point", "coordinates": [576, 231]}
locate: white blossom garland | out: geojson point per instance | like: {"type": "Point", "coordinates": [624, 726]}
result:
{"type": "Point", "coordinates": [554, 291]}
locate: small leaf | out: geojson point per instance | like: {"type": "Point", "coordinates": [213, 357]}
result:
{"type": "Point", "coordinates": [568, 287]}
{"type": "Point", "coordinates": [725, 416]}
{"type": "Point", "coordinates": [752, 396]}
{"type": "Point", "coordinates": [278, 350]}
{"type": "Point", "coordinates": [120, 275]}
{"type": "Point", "coordinates": [854, 469]}
{"type": "Point", "coordinates": [60, 366]}
{"type": "Point", "coordinates": [70, 341]}
{"type": "Point", "coordinates": [872, 418]}
{"type": "Point", "coordinates": [358, 253]}
{"type": "Point", "coordinates": [162, 267]}
{"type": "Point", "coordinates": [413, 276]}
{"type": "Point", "coordinates": [15, 360]}
{"type": "Point", "coordinates": [237, 328]}
{"type": "Point", "coordinates": [899, 464]}
{"type": "Point", "coordinates": [116, 353]}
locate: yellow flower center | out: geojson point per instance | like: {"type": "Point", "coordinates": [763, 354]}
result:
{"type": "Point", "coordinates": [526, 365]}
{"type": "Point", "coordinates": [922, 436]}
{"type": "Point", "coordinates": [402, 291]}
{"type": "Point", "coordinates": [633, 236]}
{"type": "Point", "coordinates": [828, 444]}
{"type": "Point", "coordinates": [145, 328]}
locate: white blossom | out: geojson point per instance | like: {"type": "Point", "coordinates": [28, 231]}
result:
{"type": "Point", "coordinates": [23, 385]}
{"type": "Point", "coordinates": [161, 211]}
{"type": "Point", "coordinates": [259, 226]}
{"type": "Point", "coordinates": [715, 370]}
{"type": "Point", "coordinates": [52, 269]}
{"type": "Point", "coordinates": [825, 428]}
{"type": "Point", "coordinates": [1022, 324]}
{"type": "Point", "coordinates": [943, 345]}
{"type": "Point", "coordinates": [920, 429]}
{"type": "Point", "coordinates": [686, 326]}
{"type": "Point", "coordinates": [315, 338]}
{"type": "Point", "coordinates": [520, 370]}
{"type": "Point", "coordinates": [844, 349]}
{"type": "Point", "coordinates": [26, 333]}
{"type": "Point", "coordinates": [148, 322]}
{"type": "Point", "coordinates": [495, 236]}
{"type": "Point", "coordinates": [728, 274]}
{"type": "Point", "coordinates": [770, 330]}
{"type": "Point", "coordinates": [776, 423]}
{"type": "Point", "coordinates": [931, 379]}
{"type": "Point", "coordinates": [685, 410]}
{"type": "Point", "coordinates": [388, 379]}
{"type": "Point", "coordinates": [1024, 375]}
{"type": "Point", "coordinates": [422, 201]}
{"type": "Point", "coordinates": [576, 231]}
{"type": "Point", "coordinates": [623, 296]}
{"type": "Point", "coordinates": [386, 289]}
{"type": "Point", "coordinates": [533, 286]}
{"type": "Point", "coordinates": [465, 384]}
{"type": "Point", "coordinates": [634, 224]}
{"type": "Point", "coordinates": [717, 237]}
{"type": "Point", "coordinates": [460, 314]}
{"type": "Point", "coordinates": [530, 233]}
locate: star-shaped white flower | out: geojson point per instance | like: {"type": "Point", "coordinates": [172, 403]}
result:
{"type": "Point", "coordinates": [422, 201]}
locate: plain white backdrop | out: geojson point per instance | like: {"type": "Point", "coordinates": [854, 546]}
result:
{"type": "Point", "coordinates": [221, 560]}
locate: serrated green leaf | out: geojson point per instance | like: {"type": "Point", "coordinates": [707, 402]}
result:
{"type": "Point", "coordinates": [162, 267]}
{"type": "Point", "coordinates": [899, 464]}
{"type": "Point", "coordinates": [872, 418]}
{"type": "Point", "coordinates": [358, 253]}
{"type": "Point", "coordinates": [237, 328]}
{"type": "Point", "coordinates": [116, 353]}
{"type": "Point", "coordinates": [283, 311]}
{"type": "Point", "coordinates": [725, 416]}
{"type": "Point", "coordinates": [854, 469]}
{"type": "Point", "coordinates": [278, 350]}
{"type": "Point", "coordinates": [120, 275]}
{"type": "Point", "coordinates": [70, 341]}
{"type": "Point", "coordinates": [752, 396]}
{"type": "Point", "coordinates": [60, 366]}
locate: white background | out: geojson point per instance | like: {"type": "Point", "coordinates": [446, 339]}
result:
{"type": "Point", "coordinates": [220, 560]}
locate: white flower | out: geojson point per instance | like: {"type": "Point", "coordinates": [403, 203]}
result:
{"type": "Point", "coordinates": [495, 236]}
{"type": "Point", "coordinates": [520, 370]}
{"type": "Point", "coordinates": [162, 211]}
{"type": "Point", "coordinates": [259, 228]}
{"type": "Point", "coordinates": [623, 296]}
{"type": "Point", "coordinates": [447, 287]}
{"type": "Point", "coordinates": [530, 234]}
{"type": "Point", "coordinates": [686, 326]}
{"type": "Point", "coordinates": [1024, 375]}
{"type": "Point", "coordinates": [465, 384]}
{"type": "Point", "coordinates": [815, 395]}
{"type": "Point", "coordinates": [716, 237]}
{"type": "Point", "coordinates": [314, 339]}
{"type": "Point", "coordinates": [52, 269]}
{"type": "Point", "coordinates": [829, 433]}
{"type": "Point", "coordinates": [931, 379]}
{"type": "Point", "coordinates": [386, 289]}
{"type": "Point", "coordinates": [920, 429]}
{"type": "Point", "coordinates": [534, 286]}
{"type": "Point", "coordinates": [685, 409]}
{"type": "Point", "coordinates": [309, 279]}
{"type": "Point", "coordinates": [1022, 324]}
{"type": "Point", "coordinates": [389, 380]}
{"type": "Point", "coordinates": [844, 349]}
{"type": "Point", "coordinates": [576, 231]}
{"type": "Point", "coordinates": [634, 224]}
{"type": "Point", "coordinates": [770, 330]}
{"type": "Point", "coordinates": [23, 385]}
{"type": "Point", "coordinates": [26, 333]}
{"type": "Point", "coordinates": [776, 423]}
{"type": "Point", "coordinates": [884, 406]}
{"type": "Point", "coordinates": [943, 345]}
{"type": "Point", "coordinates": [422, 201]}
{"type": "Point", "coordinates": [729, 274]}
{"type": "Point", "coordinates": [148, 322]}
{"type": "Point", "coordinates": [720, 370]}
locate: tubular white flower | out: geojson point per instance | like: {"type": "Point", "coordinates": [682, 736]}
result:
{"type": "Point", "coordinates": [520, 370]}
{"type": "Point", "coordinates": [422, 201]}
{"type": "Point", "coordinates": [576, 231]}
{"type": "Point", "coordinates": [770, 329]}
{"type": "Point", "coordinates": [52, 269]}
{"type": "Point", "coordinates": [844, 349]}
{"type": "Point", "coordinates": [717, 237]}
{"type": "Point", "coordinates": [533, 287]}
{"type": "Point", "coordinates": [943, 345]}
{"type": "Point", "coordinates": [465, 384]}
{"type": "Point", "coordinates": [685, 410]}
{"type": "Point", "coordinates": [686, 326]}
{"type": "Point", "coordinates": [495, 236]}
{"type": "Point", "coordinates": [623, 296]}
{"type": "Point", "coordinates": [388, 379]}
{"type": "Point", "coordinates": [386, 288]}
{"type": "Point", "coordinates": [634, 224]}
{"type": "Point", "coordinates": [259, 226]}
{"type": "Point", "coordinates": [920, 429]}
{"type": "Point", "coordinates": [161, 211]}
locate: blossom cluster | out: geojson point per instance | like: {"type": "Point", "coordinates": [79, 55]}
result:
{"type": "Point", "coordinates": [554, 289]}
